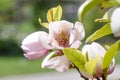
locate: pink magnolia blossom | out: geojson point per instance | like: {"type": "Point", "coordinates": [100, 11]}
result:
{"type": "Point", "coordinates": [65, 34]}
{"type": "Point", "coordinates": [61, 34]}
{"type": "Point", "coordinates": [93, 51]}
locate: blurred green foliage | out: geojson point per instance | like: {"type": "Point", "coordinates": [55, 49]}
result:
{"type": "Point", "coordinates": [18, 18]}
{"type": "Point", "coordinates": [10, 47]}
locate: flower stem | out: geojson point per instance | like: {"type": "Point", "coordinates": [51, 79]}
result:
{"type": "Point", "coordinates": [97, 78]}
{"type": "Point", "coordinates": [81, 74]}
{"type": "Point", "coordinates": [104, 77]}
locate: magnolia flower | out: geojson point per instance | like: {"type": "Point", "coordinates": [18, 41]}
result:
{"type": "Point", "coordinates": [93, 51]}
{"type": "Point", "coordinates": [61, 34]}
{"type": "Point", "coordinates": [65, 34]}
{"type": "Point", "coordinates": [115, 21]}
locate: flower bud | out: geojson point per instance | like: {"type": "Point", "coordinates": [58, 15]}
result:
{"type": "Point", "coordinates": [93, 50]}
{"type": "Point", "coordinates": [32, 46]}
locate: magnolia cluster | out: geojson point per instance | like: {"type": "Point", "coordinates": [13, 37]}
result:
{"type": "Point", "coordinates": [62, 34]}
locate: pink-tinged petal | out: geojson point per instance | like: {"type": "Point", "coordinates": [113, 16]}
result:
{"type": "Point", "coordinates": [45, 61]}
{"type": "Point", "coordinates": [111, 67]}
{"type": "Point", "coordinates": [115, 22]}
{"type": "Point", "coordinates": [80, 32]}
{"type": "Point", "coordinates": [36, 55]}
{"type": "Point", "coordinates": [56, 45]}
{"type": "Point", "coordinates": [46, 40]}
{"type": "Point", "coordinates": [57, 27]}
{"type": "Point", "coordinates": [76, 44]}
{"type": "Point", "coordinates": [32, 46]}
{"type": "Point", "coordinates": [72, 37]}
{"type": "Point", "coordinates": [34, 37]}
{"type": "Point", "coordinates": [60, 63]}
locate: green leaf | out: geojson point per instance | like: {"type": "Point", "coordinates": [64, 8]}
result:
{"type": "Point", "coordinates": [110, 3]}
{"type": "Point", "coordinates": [88, 5]}
{"type": "Point", "coordinates": [87, 58]}
{"type": "Point", "coordinates": [54, 14]}
{"type": "Point", "coordinates": [76, 57]}
{"type": "Point", "coordinates": [105, 30]}
{"type": "Point", "coordinates": [110, 54]}
{"type": "Point", "coordinates": [90, 65]}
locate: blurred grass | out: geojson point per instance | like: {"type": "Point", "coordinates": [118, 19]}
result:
{"type": "Point", "coordinates": [16, 65]}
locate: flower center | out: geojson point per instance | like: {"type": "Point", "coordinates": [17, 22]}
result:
{"type": "Point", "coordinates": [63, 39]}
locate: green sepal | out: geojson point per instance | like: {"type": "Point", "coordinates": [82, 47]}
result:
{"type": "Point", "coordinates": [110, 3]}
{"type": "Point", "coordinates": [104, 31]}
{"type": "Point", "coordinates": [90, 66]}
{"type": "Point", "coordinates": [110, 54]}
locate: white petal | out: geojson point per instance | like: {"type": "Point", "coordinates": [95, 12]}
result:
{"type": "Point", "coordinates": [98, 49]}
{"type": "Point", "coordinates": [76, 44]}
{"type": "Point", "coordinates": [72, 37]}
{"type": "Point", "coordinates": [45, 40]}
{"type": "Point", "coordinates": [94, 50]}
{"type": "Point", "coordinates": [56, 27]}
{"type": "Point", "coordinates": [34, 37]}
{"type": "Point", "coordinates": [80, 32]}
{"type": "Point", "coordinates": [46, 59]}
{"type": "Point", "coordinates": [115, 22]}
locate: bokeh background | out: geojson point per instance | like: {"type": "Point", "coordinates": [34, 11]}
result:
{"type": "Point", "coordinates": [18, 18]}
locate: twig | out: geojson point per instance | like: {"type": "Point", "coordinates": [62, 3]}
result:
{"type": "Point", "coordinates": [97, 78]}
{"type": "Point", "coordinates": [104, 77]}
{"type": "Point", "coordinates": [81, 74]}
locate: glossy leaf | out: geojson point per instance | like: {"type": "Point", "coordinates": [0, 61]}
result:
{"type": "Point", "coordinates": [110, 54]}
{"type": "Point", "coordinates": [90, 66]}
{"type": "Point", "coordinates": [88, 6]}
{"type": "Point", "coordinates": [105, 30]}
{"type": "Point", "coordinates": [110, 3]}
{"type": "Point", "coordinates": [54, 14]}
{"type": "Point", "coordinates": [76, 57]}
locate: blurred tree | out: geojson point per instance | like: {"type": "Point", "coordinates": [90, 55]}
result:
{"type": "Point", "coordinates": [10, 47]}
